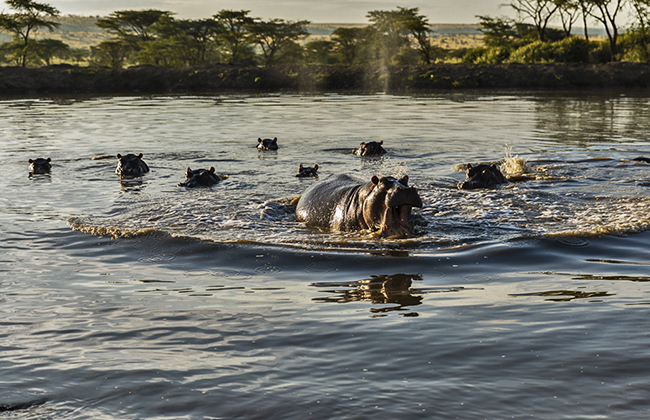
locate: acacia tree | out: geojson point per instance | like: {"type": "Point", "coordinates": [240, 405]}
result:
{"type": "Point", "coordinates": [585, 9]}
{"type": "Point", "coordinates": [28, 18]}
{"type": "Point", "coordinates": [418, 27]}
{"type": "Point", "coordinates": [348, 43]}
{"type": "Point", "coordinates": [569, 12]}
{"type": "Point", "coordinates": [234, 35]}
{"type": "Point", "coordinates": [540, 11]}
{"type": "Point", "coordinates": [606, 12]}
{"type": "Point", "coordinates": [641, 9]}
{"type": "Point", "coordinates": [133, 26]}
{"type": "Point", "coordinates": [275, 35]}
{"type": "Point", "coordinates": [47, 49]}
{"type": "Point", "coordinates": [185, 42]}
{"type": "Point", "coordinates": [385, 37]}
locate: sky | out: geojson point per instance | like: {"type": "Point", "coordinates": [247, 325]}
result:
{"type": "Point", "coordinates": [316, 11]}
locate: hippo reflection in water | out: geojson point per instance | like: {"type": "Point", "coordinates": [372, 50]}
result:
{"type": "Point", "coordinates": [304, 172]}
{"type": "Point", "coordinates": [40, 166]}
{"type": "Point", "coordinates": [131, 165]}
{"type": "Point", "coordinates": [342, 204]}
{"type": "Point", "coordinates": [200, 178]}
{"type": "Point", "coordinates": [482, 176]}
{"type": "Point", "coordinates": [372, 148]}
{"type": "Point", "coordinates": [267, 144]}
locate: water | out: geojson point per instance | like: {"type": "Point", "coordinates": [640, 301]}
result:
{"type": "Point", "coordinates": [141, 299]}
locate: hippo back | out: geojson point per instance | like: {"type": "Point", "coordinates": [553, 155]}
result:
{"type": "Point", "coordinates": [332, 204]}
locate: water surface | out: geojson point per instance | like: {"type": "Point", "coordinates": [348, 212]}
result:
{"type": "Point", "coordinates": [141, 299]}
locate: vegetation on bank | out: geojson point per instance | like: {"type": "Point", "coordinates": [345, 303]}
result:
{"type": "Point", "coordinates": [393, 37]}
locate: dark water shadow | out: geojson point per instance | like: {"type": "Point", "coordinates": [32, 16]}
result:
{"type": "Point", "coordinates": [566, 295]}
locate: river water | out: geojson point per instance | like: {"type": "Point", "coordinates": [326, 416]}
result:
{"type": "Point", "coordinates": [141, 299]}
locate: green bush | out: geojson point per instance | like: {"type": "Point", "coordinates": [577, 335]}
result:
{"type": "Point", "coordinates": [568, 50]}
{"type": "Point", "coordinates": [490, 55]}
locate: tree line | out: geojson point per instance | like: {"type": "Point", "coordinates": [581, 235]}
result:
{"type": "Point", "coordinates": [401, 36]}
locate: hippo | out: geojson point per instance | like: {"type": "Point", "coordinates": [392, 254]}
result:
{"type": "Point", "coordinates": [482, 176]}
{"type": "Point", "coordinates": [200, 178]}
{"type": "Point", "coordinates": [267, 144]}
{"type": "Point", "coordinates": [342, 204]}
{"type": "Point", "coordinates": [372, 148]}
{"type": "Point", "coordinates": [40, 166]}
{"type": "Point", "coordinates": [641, 159]}
{"type": "Point", "coordinates": [304, 172]}
{"type": "Point", "coordinates": [131, 165]}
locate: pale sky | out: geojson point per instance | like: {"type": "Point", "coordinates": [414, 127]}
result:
{"type": "Point", "coordinates": [317, 11]}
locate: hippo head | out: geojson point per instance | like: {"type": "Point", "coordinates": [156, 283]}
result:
{"type": "Point", "coordinates": [199, 178]}
{"type": "Point", "coordinates": [304, 172]}
{"type": "Point", "coordinates": [131, 165]}
{"type": "Point", "coordinates": [372, 148]}
{"type": "Point", "coordinates": [40, 166]}
{"type": "Point", "coordinates": [482, 176]}
{"type": "Point", "coordinates": [267, 144]}
{"type": "Point", "coordinates": [388, 205]}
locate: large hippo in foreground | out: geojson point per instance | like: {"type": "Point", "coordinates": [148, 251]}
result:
{"type": "Point", "coordinates": [342, 204]}
{"type": "Point", "coordinates": [482, 176]}
{"type": "Point", "coordinates": [40, 166]}
{"type": "Point", "coordinates": [131, 165]}
{"type": "Point", "coordinates": [200, 178]}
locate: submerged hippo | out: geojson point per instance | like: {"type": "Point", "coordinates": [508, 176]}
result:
{"type": "Point", "coordinates": [372, 148]}
{"type": "Point", "coordinates": [482, 176]}
{"type": "Point", "coordinates": [131, 165]}
{"type": "Point", "coordinates": [342, 204]}
{"type": "Point", "coordinates": [267, 144]}
{"type": "Point", "coordinates": [40, 166]}
{"type": "Point", "coordinates": [199, 178]}
{"type": "Point", "coordinates": [304, 172]}
{"type": "Point", "coordinates": [641, 159]}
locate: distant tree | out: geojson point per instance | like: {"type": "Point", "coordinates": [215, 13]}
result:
{"type": "Point", "coordinates": [29, 17]}
{"type": "Point", "coordinates": [190, 42]}
{"type": "Point", "coordinates": [348, 43]}
{"type": "Point", "coordinates": [569, 12]}
{"type": "Point", "coordinates": [274, 35]}
{"type": "Point", "coordinates": [641, 10]}
{"type": "Point", "coordinates": [111, 53]}
{"type": "Point", "coordinates": [47, 49]}
{"type": "Point", "coordinates": [497, 32]}
{"type": "Point", "coordinates": [234, 36]}
{"type": "Point", "coordinates": [606, 12]}
{"type": "Point", "coordinates": [540, 11]}
{"type": "Point", "coordinates": [320, 52]}
{"type": "Point", "coordinates": [386, 36]}
{"type": "Point", "coordinates": [78, 55]}
{"type": "Point", "coordinates": [586, 7]}
{"type": "Point", "coordinates": [133, 26]}
{"type": "Point", "coordinates": [418, 27]}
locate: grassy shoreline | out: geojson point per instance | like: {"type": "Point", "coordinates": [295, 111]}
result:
{"type": "Point", "coordinates": [67, 79]}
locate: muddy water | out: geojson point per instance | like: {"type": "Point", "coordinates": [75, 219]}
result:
{"type": "Point", "coordinates": [141, 299]}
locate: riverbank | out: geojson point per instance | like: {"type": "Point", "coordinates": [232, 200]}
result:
{"type": "Point", "coordinates": [64, 79]}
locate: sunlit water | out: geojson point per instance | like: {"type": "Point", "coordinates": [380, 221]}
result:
{"type": "Point", "coordinates": [141, 299]}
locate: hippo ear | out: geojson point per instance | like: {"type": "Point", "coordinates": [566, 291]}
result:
{"type": "Point", "coordinates": [469, 166]}
{"type": "Point", "coordinates": [300, 169]}
{"type": "Point", "coordinates": [259, 140]}
{"type": "Point", "coordinates": [405, 180]}
{"type": "Point", "coordinates": [381, 142]}
{"type": "Point", "coordinates": [189, 169]}
{"type": "Point", "coordinates": [49, 159]}
{"type": "Point", "coordinates": [383, 180]}
{"type": "Point", "coordinates": [140, 155]}
{"type": "Point", "coordinates": [316, 167]}
{"type": "Point", "coordinates": [119, 156]}
{"type": "Point", "coordinates": [212, 169]}
{"type": "Point", "coordinates": [363, 144]}
{"type": "Point", "coordinates": [31, 161]}
{"type": "Point", "coordinates": [275, 139]}
{"type": "Point", "coordinates": [374, 179]}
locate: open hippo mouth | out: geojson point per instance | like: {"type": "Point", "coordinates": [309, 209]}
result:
{"type": "Point", "coordinates": [398, 211]}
